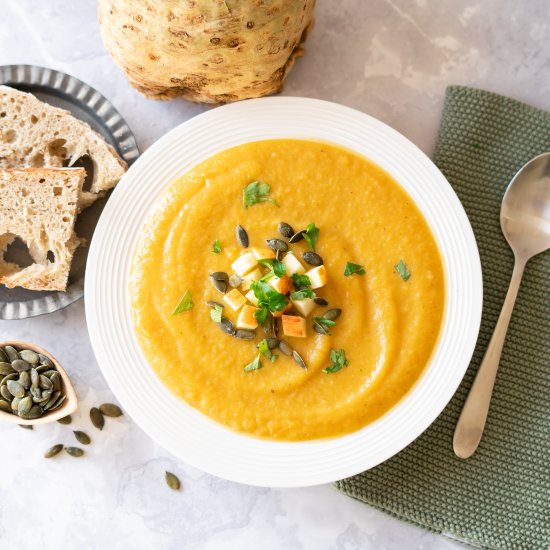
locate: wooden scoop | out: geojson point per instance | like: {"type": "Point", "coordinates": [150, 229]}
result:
{"type": "Point", "coordinates": [68, 406]}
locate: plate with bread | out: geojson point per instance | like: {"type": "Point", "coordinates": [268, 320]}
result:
{"type": "Point", "coordinates": [63, 147]}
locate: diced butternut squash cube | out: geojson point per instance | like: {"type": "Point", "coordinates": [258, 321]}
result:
{"type": "Point", "coordinates": [244, 264]}
{"type": "Point", "coordinates": [234, 299]}
{"type": "Point", "coordinates": [255, 275]}
{"type": "Point", "coordinates": [304, 307]}
{"type": "Point", "coordinates": [294, 326]}
{"type": "Point", "coordinates": [251, 297]}
{"type": "Point", "coordinates": [317, 276]}
{"type": "Point", "coordinates": [246, 318]}
{"type": "Point", "coordinates": [281, 285]}
{"type": "Point", "coordinates": [293, 265]}
{"type": "Point", "coordinates": [263, 253]}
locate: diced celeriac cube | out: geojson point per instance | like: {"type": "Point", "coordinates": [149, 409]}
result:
{"type": "Point", "coordinates": [317, 276]}
{"type": "Point", "coordinates": [234, 299]}
{"type": "Point", "coordinates": [293, 265]}
{"type": "Point", "coordinates": [263, 253]}
{"type": "Point", "coordinates": [244, 264]}
{"type": "Point", "coordinates": [294, 326]}
{"type": "Point", "coordinates": [251, 297]}
{"type": "Point", "coordinates": [246, 318]}
{"type": "Point", "coordinates": [255, 275]}
{"type": "Point", "coordinates": [304, 307]}
{"type": "Point", "coordinates": [281, 285]}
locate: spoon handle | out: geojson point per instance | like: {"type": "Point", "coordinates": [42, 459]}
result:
{"type": "Point", "coordinates": [471, 423]}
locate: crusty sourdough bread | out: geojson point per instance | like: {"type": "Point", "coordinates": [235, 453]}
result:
{"type": "Point", "coordinates": [39, 205]}
{"type": "Point", "coordinates": [35, 134]}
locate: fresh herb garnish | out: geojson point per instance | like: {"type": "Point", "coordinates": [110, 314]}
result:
{"type": "Point", "coordinates": [216, 313]}
{"type": "Point", "coordinates": [352, 269]}
{"type": "Point", "coordinates": [264, 350]}
{"type": "Point", "coordinates": [302, 294]}
{"type": "Point", "coordinates": [185, 303]}
{"type": "Point", "coordinates": [311, 234]}
{"type": "Point", "coordinates": [268, 297]}
{"type": "Point", "coordinates": [321, 325]}
{"type": "Point", "coordinates": [403, 270]}
{"type": "Point", "coordinates": [301, 280]}
{"type": "Point", "coordinates": [261, 315]}
{"type": "Point", "coordinates": [338, 358]}
{"type": "Point", "coordinates": [217, 247]}
{"type": "Point", "coordinates": [255, 192]}
{"type": "Point", "coordinates": [254, 365]}
{"type": "Point", "coordinates": [276, 266]}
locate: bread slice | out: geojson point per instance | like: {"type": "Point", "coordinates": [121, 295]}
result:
{"type": "Point", "coordinates": [35, 134]}
{"type": "Point", "coordinates": [39, 205]}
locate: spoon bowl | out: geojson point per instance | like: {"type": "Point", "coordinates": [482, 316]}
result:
{"type": "Point", "coordinates": [68, 406]}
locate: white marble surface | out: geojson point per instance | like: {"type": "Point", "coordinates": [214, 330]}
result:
{"type": "Point", "coordinates": [389, 58]}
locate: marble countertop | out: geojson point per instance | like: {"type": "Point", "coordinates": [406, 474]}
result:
{"type": "Point", "coordinates": [389, 58]}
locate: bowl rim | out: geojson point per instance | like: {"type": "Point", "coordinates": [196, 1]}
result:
{"type": "Point", "coordinates": [198, 442]}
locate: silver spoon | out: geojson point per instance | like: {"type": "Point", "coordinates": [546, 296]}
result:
{"type": "Point", "coordinates": [525, 222]}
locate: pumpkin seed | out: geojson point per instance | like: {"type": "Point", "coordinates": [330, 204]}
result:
{"type": "Point", "coordinates": [97, 418]}
{"type": "Point", "coordinates": [285, 230]}
{"type": "Point", "coordinates": [227, 326]}
{"type": "Point", "coordinates": [55, 379]}
{"type": "Point", "coordinates": [297, 236]}
{"type": "Point", "coordinates": [332, 314]}
{"type": "Point", "coordinates": [12, 376]}
{"type": "Point", "coordinates": [16, 388]}
{"type": "Point", "coordinates": [24, 405]}
{"type": "Point", "coordinates": [65, 420]}
{"type": "Point", "coordinates": [285, 348]}
{"type": "Point", "coordinates": [49, 373]}
{"type": "Point", "coordinates": [242, 236]}
{"type": "Point", "coordinates": [219, 276]}
{"type": "Point", "coordinates": [272, 343]}
{"type": "Point", "coordinates": [312, 258]}
{"type": "Point", "coordinates": [45, 383]}
{"type": "Point", "coordinates": [244, 334]}
{"type": "Point", "coordinates": [319, 328]}
{"type": "Point", "coordinates": [20, 366]}
{"type": "Point", "coordinates": [296, 356]}
{"type": "Point", "coordinates": [5, 406]}
{"type": "Point", "coordinates": [46, 361]}
{"type": "Point", "coordinates": [52, 400]}
{"type": "Point", "coordinates": [5, 368]}
{"type": "Point", "coordinates": [221, 286]}
{"type": "Point", "coordinates": [12, 353]}
{"type": "Point", "coordinates": [278, 255]}
{"type": "Point", "coordinates": [320, 301]}
{"type": "Point", "coordinates": [25, 426]}
{"type": "Point", "coordinates": [172, 481]}
{"type": "Point", "coordinates": [25, 379]}
{"type": "Point", "coordinates": [3, 357]}
{"type": "Point", "coordinates": [36, 394]}
{"type": "Point", "coordinates": [29, 356]}
{"type": "Point", "coordinates": [35, 379]}
{"type": "Point", "coordinates": [5, 393]}
{"type": "Point", "coordinates": [35, 412]}
{"type": "Point", "coordinates": [52, 451]}
{"type": "Point", "coordinates": [75, 452]}
{"type": "Point", "coordinates": [82, 437]}
{"type": "Point", "coordinates": [58, 403]}
{"type": "Point", "coordinates": [277, 244]}
{"type": "Point", "coordinates": [42, 369]}
{"type": "Point", "coordinates": [14, 404]}
{"type": "Point", "coordinates": [44, 398]}
{"type": "Point", "coordinates": [235, 281]}
{"type": "Point", "coordinates": [213, 303]}
{"type": "Point", "coordinates": [111, 410]}
{"type": "Point", "coordinates": [275, 326]}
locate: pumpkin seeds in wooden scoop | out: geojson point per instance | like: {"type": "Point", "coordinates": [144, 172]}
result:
{"type": "Point", "coordinates": [52, 451]}
{"type": "Point", "coordinates": [29, 356]}
{"type": "Point", "coordinates": [16, 388]}
{"type": "Point", "coordinates": [111, 410]}
{"type": "Point", "coordinates": [3, 357]}
{"type": "Point", "coordinates": [5, 368]}
{"type": "Point", "coordinates": [19, 365]}
{"type": "Point", "coordinates": [12, 353]}
{"type": "Point", "coordinates": [24, 406]}
{"type": "Point", "coordinates": [97, 418]}
{"type": "Point", "coordinates": [25, 379]}
{"type": "Point", "coordinates": [75, 452]}
{"type": "Point", "coordinates": [172, 481]}
{"type": "Point", "coordinates": [5, 406]}
{"type": "Point", "coordinates": [82, 437]}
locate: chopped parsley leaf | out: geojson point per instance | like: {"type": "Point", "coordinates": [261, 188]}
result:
{"type": "Point", "coordinates": [185, 303]}
{"type": "Point", "coordinates": [352, 269]}
{"type": "Point", "coordinates": [255, 192]}
{"type": "Point", "coordinates": [338, 359]}
{"type": "Point", "coordinates": [403, 270]}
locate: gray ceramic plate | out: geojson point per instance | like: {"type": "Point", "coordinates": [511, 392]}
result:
{"type": "Point", "coordinates": [85, 103]}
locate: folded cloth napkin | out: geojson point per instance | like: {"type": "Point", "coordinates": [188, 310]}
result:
{"type": "Point", "coordinates": [500, 497]}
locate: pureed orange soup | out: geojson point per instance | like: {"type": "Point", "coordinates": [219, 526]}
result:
{"type": "Point", "coordinates": [390, 316]}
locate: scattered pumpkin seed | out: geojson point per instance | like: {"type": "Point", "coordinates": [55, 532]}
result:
{"type": "Point", "coordinates": [26, 426]}
{"type": "Point", "coordinates": [312, 258]}
{"type": "Point", "coordinates": [25, 379]}
{"type": "Point", "coordinates": [46, 361]}
{"type": "Point", "coordinates": [227, 326]}
{"type": "Point", "coordinates": [12, 353]}
{"type": "Point", "coordinates": [3, 357]}
{"type": "Point", "coordinates": [20, 366]}
{"type": "Point", "coordinates": [285, 348]}
{"type": "Point", "coordinates": [65, 420]}
{"type": "Point", "coordinates": [52, 451]}
{"type": "Point", "coordinates": [5, 368]}
{"type": "Point", "coordinates": [296, 356]}
{"type": "Point", "coordinates": [29, 356]}
{"type": "Point", "coordinates": [75, 452]}
{"type": "Point", "coordinates": [97, 418]}
{"type": "Point", "coordinates": [82, 437]}
{"type": "Point", "coordinates": [320, 301]}
{"type": "Point", "coordinates": [172, 481]}
{"type": "Point", "coordinates": [221, 286]}
{"type": "Point", "coordinates": [285, 230]}
{"type": "Point", "coordinates": [244, 334]}
{"type": "Point", "coordinates": [297, 237]}
{"type": "Point", "coordinates": [111, 410]}
{"type": "Point", "coordinates": [219, 276]}
{"type": "Point", "coordinates": [272, 343]}
{"type": "Point", "coordinates": [242, 236]}
{"type": "Point", "coordinates": [277, 244]}
{"type": "Point", "coordinates": [235, 281]}
{"type": "Point", "coordinates": [332, 314]}
{"type": "Point", "coordinates": [24, 405]}
{"type": "Point", "coordinates": [16, 388]}
{"type": "Point", "coordinates": [5, 406]}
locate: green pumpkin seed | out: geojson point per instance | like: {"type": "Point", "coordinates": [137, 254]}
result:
{"type": "Point", "coordinates": [65, 420]}
{"type": "Point", "coordinates": [97, 418]}
{"type": "Point", "coordinates": [272, 343]}
{"type": "Point", "coordinates": [20, 366]}
{"type": "Point", "coordinates": [242, 236]}
{"type": "Point", "coordinates": [14, 404]}
{"type": "Point", "coordinates": [213, 303]}
{"type": "Point", "coordinates": [46, 361]}
{"type": "Point", "coordinates": [296, 356]}
{"type": "Point", "coordinates": [42, 369]}
{"type": "Point", "coordinates": [172, 481]}
{"type": "Point", "coordinates": [297, 236]}
{"type": "Point", "coordinates": [16, 388]}
{"type": "Point", "coordinates": [25, 426]}
{"type": "Point", "coordinates": [277, 244]}
{"type": "Point", "coordinates": [58, 403]}
{"type": "Point", "coordinates": [219, 276]}
{"type": "Point", "coordinates": [235, 281]}
{"type": "Point", "coordinates": [35, 379]}
{"type": "Point", "coordinates": [285, 230]}
{"type": "Point", "coordinates": [244, 334]}
{"type": "Point", "coordinates": [24, 405]}
{"type": "Point", "coordinates": [82, 437]}
{"type": "Point", "coordinates": [29, 356]}
{"type": "Point", "coordinates": [52, 451]}
{"type": "Point", "coordinates": [111, 410]}
{"type": "Point", "coordinates": [320, 301]}
{"type": "Point", "coordinates": [332, 314]}
{"type": "Point", "coordinates": [25, 379]}
{"type": "Point", "coordinates": [75, 452]}
{"type": "Point", "coordinates": [285, 348]}
{"type": "Point", "coordinates": [36, 394]}
{"type": "Point", "coordinates": [12, 376]}
{"type": "Point", "coordinates": [312, 258]}
{"type": "Point", "coordinates": [46, 394]}
{"type": "Point", "coordinates": [35, 412]}
{"type": "Point", "coordinates": [55, 379]}
{"type": "Point", "coordinates": [45, 382]}
{"type": "Point", "coordinates": [5, 406]}
{"type": "Point", "coordinates": [5, 393]}
{"type": "Point", "coordinates": [5, 368]}
{"type": "Point", "coordinates": [220, 286]}
{"type": "Point", "coordinates": [52, 400]}
{"type": "Point", "coordinates": [3, 357]}
{"type": "Point", "coordinates": [12, 353]}
{"type": "Point", "coordinates": [49, 373]}
{"type": "Point", "coordinates": [227, 326]}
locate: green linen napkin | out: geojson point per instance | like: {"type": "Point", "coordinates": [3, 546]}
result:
{"type": "Point", "coordinates": [500, 497]}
